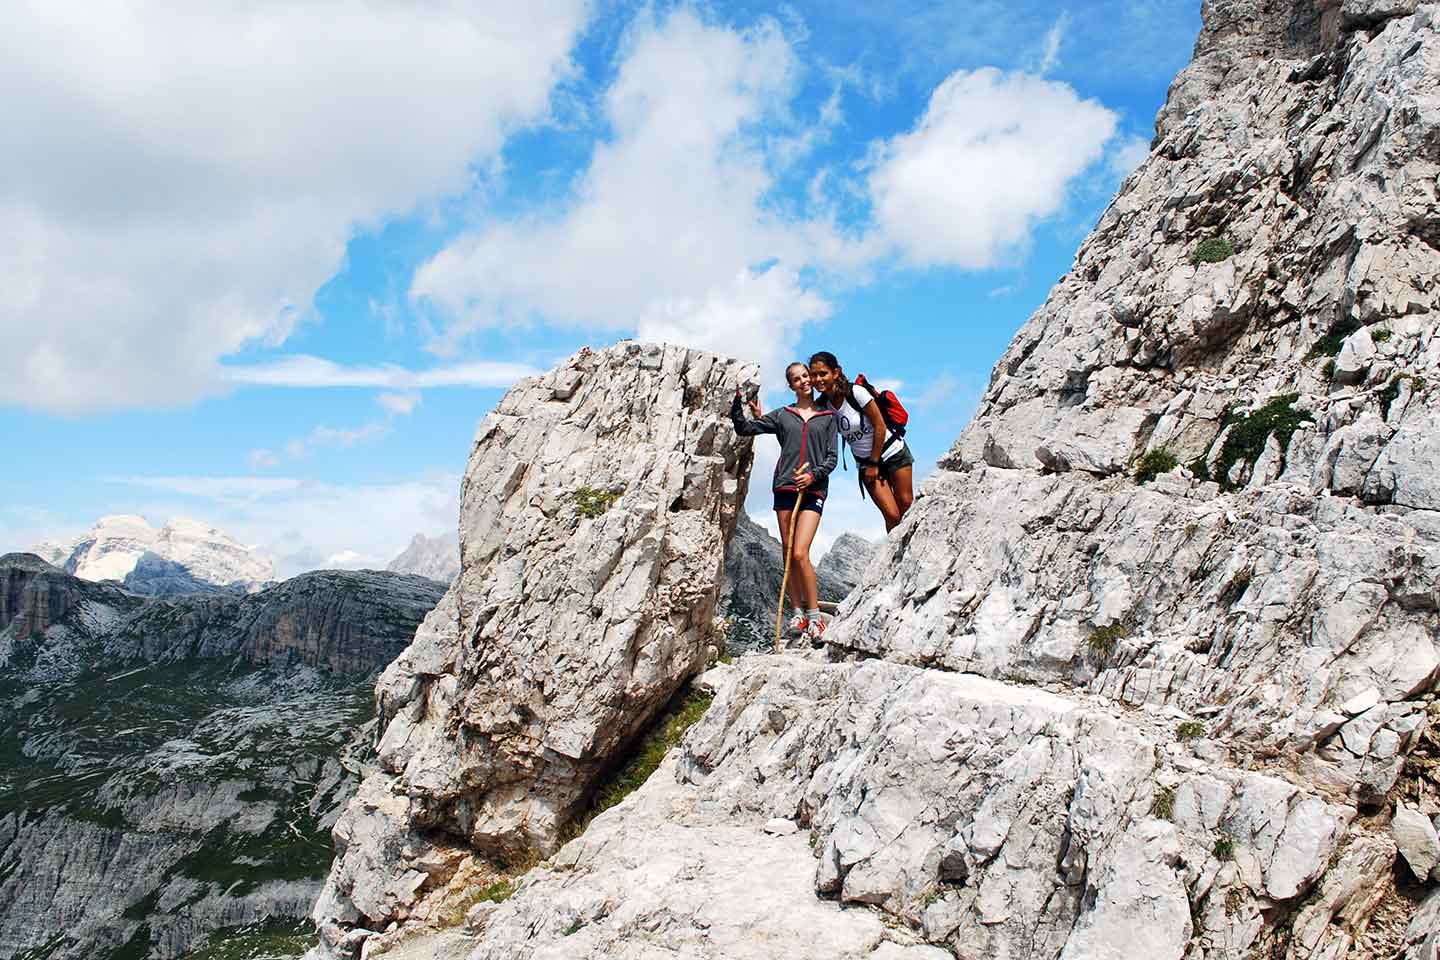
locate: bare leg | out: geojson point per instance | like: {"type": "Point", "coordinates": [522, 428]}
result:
{"type": "Point", "coordinates": [793, 588]}
{"type": "Point", "coordinates": [801, 570]}
{"type": "Point", "coordinates": [884, 498]}
{"type": "Point", "coordinates": [900, 486]}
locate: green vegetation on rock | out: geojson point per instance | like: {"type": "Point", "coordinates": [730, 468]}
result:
{"type": "Point", "coordinates": [1103, 639]}
{"type": "Point", "coordinates": [681, 714]}
{"type": "Point", "coordinates": [258, 941]}
{"type": "Point", "coordinates": [1154, 463]}
{"type": "Point", "coordinates": [1190, 730]}
{"type": "Point", "coordinates": [1163, 806]}
{"type": "Point", "coordinates": [1247, 436]}
{"type": "Point", "coordinates": [1212, 250]}
{"type": "Point", "coordinates": [591, 503]}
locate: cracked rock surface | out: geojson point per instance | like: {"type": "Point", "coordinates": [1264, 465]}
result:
{"type": "Point", "coordinates": [1081, 709]}
{"type": "Point", "coordinates": [595, 510]}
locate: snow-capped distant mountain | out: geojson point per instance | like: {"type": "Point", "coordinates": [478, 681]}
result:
{"type": "Point", "coordinates": [435, 557]}
{"type": "Point", "coordinates": [115, 546]}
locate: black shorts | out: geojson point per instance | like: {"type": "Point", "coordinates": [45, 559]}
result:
{"type": "Point", "coordinates": [785, 500]}
{"type": "Point", "coordinates": [888, 468]}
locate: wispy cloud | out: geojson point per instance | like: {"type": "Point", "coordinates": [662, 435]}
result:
{"type": "Point", "coordinates": [994, 154]}
{"type": "Point", "coordinates": [399, 404]}
{"type": "Point", "coordinates": [1129, 154]}
{"type": "Point", "coordinates": [234, 490]}
{"type": "Point", "coordinates": [261, 458]}
{"type": "Point", "coordinates": [304, 370]}
{"type": "Point", "coordinates": [1051, 57]}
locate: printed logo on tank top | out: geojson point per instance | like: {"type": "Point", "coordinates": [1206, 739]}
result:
{"type": "Point", "coordinates": [854, 425]}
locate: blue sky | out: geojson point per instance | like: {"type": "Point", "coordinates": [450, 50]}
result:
{"type": "Point", "coordinates": [272, 264]}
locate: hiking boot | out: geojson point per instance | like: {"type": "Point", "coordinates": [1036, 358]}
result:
{"type": "Point", "coordinates": [815, 632]}
{"type": "Point", "coordinates": [797, 626]}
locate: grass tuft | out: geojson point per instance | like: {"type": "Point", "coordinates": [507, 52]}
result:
{"type": "Point", "coordinates": [1154, 463]}
{"type": "Point", "coordinates": [1224, 849]}
{"type": "Point", "coordinates": [1103, 639]}
{"type": "Point", "coordinates": [1190, 730]}
{"type": "Point", "coordinates": [1163, 806]}
{"type": "Point", "coordinates": [679, 716]}
{"type": "Point", "coordinates": [1213, 250]}
{"type": "Point", "coordinates": [591, 503]}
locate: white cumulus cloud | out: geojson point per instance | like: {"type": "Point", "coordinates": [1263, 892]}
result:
{"type": "Point", "coordinates": [992, 155]}
{"type": "Point", "coordinates": [668, 231]}
{"type": "Point", "coordinates": [177, 179]}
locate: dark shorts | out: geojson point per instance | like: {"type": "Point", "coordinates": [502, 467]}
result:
{"type": "Point", "coordinates": [785, 500]}
{"type": "Point", "coordinates": [888, 468]}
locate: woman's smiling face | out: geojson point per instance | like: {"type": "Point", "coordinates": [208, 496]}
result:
{"type": "Point", "coordinates": [823, 376]}
{"type": "Point", "coordinates": [798, 376]}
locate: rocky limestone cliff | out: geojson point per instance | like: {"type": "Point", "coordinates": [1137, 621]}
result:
{"type": "Point", "coordinates": [170, 769]}
{"type": "Point", "coordinates": [54, 626]}
{"type": "Point", "coordinates": [1149, 670]}
{"type": "Point", "coordinates": [184, 556]}
{"type": "Point", "coordinates": [846, 560]}
{"type": "Point", "coordinates": [594, 512]}
{"type": "Point", "coordinates": [435, 557]}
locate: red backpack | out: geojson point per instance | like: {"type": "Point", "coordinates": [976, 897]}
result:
{"type": "Point", "coordinates": [892, 411]}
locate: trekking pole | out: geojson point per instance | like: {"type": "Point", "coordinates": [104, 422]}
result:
{"type": "Point", "coordinates": [785, 577]}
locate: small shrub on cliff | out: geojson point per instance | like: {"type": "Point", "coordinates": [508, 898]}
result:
{"type": "Point", "coordinates": [591, 503]}
{"type": "Point", "coordinates": [1330, 344]}
{"type": "Point", "coordinates": [1103, 639]}
{"type": "Point", "coordinates": [1154, 463]}
{"type": "Point", "coordinates": [497, 892]}
{"type": "Point", "coordinates": [1163, 806]}
{"type": "Point", "coordinates": [1246, 441]}
{"type": "Point", "coordinates": [1382, 335]}
{"type": "Point", "coordinates": [1328, 370]}
{"type": "Point", "coordinates": [1213, 250]}
{"type": "Point", "coordinates": [1224, 849]}
{"type": "Point", "coordinates": [1190, 730]}
{"type": "Point", "coordinates": [1391, 393]}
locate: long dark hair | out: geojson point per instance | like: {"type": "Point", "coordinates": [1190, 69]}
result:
{"type": "Point", "coordinates": [828, 358]}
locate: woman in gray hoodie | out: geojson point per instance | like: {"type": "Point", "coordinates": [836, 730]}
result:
{"type": "Point", "coordinates": [809, 448]}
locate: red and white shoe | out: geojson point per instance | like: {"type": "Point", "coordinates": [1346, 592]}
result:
{"type": "Point", "coordinates": [798, 626]}
{"type": "Point", "coordinates": [815, 632]}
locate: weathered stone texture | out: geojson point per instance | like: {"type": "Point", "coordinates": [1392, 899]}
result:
{"type": "Point", "coordinates": [595, 510]}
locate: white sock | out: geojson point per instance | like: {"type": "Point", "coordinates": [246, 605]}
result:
{"type": "Point", "coordinates": [812, 615]}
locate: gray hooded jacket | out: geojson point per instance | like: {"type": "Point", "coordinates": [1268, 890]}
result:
{"type": "Point", "coordinates": [814, 441]}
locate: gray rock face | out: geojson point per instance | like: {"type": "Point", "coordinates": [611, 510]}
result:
{"type": "Point", "coordinates": [846, 560]}
{"type": "Point", "coordinates": [1417, 840]}
{"type": "Point", "coordinates": [1263, 585]}
{"type": "Point", "coordinates": [1069, 715]}
{"type": "Point", "coordinates": [435, 557]}
{"type": "Point", "coordinates": [594, 513]}
{"type": "Point", "coordinates": [57, 626]}
{"type": "Point", "coordinates": [171, 769]}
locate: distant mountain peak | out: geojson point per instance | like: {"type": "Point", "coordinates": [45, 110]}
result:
{"type": "Point", "coordinates": [188, 551]}
{"type": "Point", "coordinates": [435, 557]}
